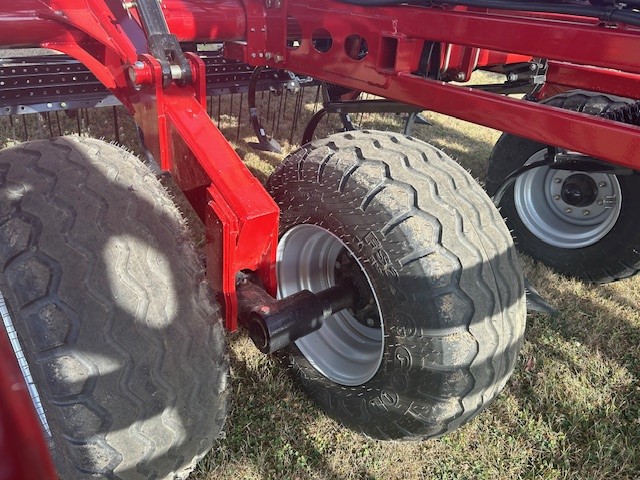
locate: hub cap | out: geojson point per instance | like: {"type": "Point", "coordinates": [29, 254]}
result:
{"type": "Point", "coordinates": [567, 209]}
{"type": "Point", "coordinates": [347, 349]}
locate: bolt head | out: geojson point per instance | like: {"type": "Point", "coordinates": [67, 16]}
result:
{"type": "Point", "coordinates": [586, 213]}
{"type": "Point", "coordinates": [602, 184]}
{"type": "Point", "coordinates": [556, 197]}
{"type": "Point", "coordinates": [557, 180]}
{"type": "Point", "coordinates": [568, 210]}
{"type": "Point", "coordinates": [600, 201]}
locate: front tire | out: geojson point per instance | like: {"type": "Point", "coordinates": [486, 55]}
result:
{"type": "Point", "coordinates": [438, 335]}
{"type": "Point", "coordinates": [106, 293]}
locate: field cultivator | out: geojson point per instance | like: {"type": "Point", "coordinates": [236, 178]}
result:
{"type": "Point", "coordinates": [376, 267]}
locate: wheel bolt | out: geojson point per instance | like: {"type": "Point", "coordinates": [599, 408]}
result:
{"type": "Point", "coordinates": [586, 213]}
{"type": "Point", "coordinates": [338, 266]}
{"type": "Point", "coordinates": [600, 201]}
{"type": "Point", "coordinates": [371, 322]}
{"type": "Point", "coordinates": [568, 210]}
{"type": "Point", "coordinates": [602, 184]}
{"type": "Point", "coordinates": [557, 180]}
{"type": "Point", "coordinates": [556, 197]}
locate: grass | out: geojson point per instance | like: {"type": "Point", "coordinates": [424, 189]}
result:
{"type": "Point", "coordinates": [570, 411]}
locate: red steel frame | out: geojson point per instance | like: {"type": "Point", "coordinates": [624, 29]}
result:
{"type": "Point", "coordinates": [240, 217]}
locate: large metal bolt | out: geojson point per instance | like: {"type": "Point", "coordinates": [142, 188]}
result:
{"type": "Point", "coordinates": [140, 73]}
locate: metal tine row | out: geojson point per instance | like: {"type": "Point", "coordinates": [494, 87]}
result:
{"type": "Point", "coordinates": [283, 114]}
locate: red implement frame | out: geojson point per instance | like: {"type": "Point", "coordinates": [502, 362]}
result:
{"type": "Point", "coordinates": [240, 217]}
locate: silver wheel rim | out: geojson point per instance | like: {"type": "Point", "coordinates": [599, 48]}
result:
{"type": "Point", "coordinates": [24, 366]}
{"type": "Point", "coordinates": [343, 349]}
{"type": "Point", "coordinates": [541, 208]}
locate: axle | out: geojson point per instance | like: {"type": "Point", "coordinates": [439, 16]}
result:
{"type": "Point", "coordinates": [274, 324]}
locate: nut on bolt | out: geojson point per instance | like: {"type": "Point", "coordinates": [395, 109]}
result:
{"type": "Point", "coordinates": [140, 73]}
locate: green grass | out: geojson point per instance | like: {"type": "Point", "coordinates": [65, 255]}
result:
{"type": "Point", "coordinates": [570, 411]}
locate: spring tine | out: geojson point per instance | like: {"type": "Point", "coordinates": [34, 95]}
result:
{"type": "Point", "coordinates": [11, 120]}
{"type": "Point", "coordinates": [277, 126]}
{"type": "Point", "coordinates": [268, 106]}
{"type": "Point", "coordinates": [78, 122]}
{"type": "Point", "coordinates": [116, 127]}
{"type": "Point", "coordinates": [48, 116]}
{"type": "Point", "coordinates": [219, 108]}
{"type": "Point", "coordinates": [231, 106]}
{"type": "Point", "coordinates": [317, 100]}
{"type": "Point", "coordinates": [239, 117]}
{"type": "Point", "coordinates": [275, 113]}
{"type": "Point", "coordinates": [296, 114]}
{"type": "Point", "coordinates": [58, 122]}
{"type": "Point", "coordinates": [24, 124]}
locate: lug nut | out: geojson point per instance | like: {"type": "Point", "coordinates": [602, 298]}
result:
{"type": "Point", "coordinates": [557, 180]}
{"type": "Point", "coordinates": [600, 201]}
{"type": "Point", "coordinates": [568, 210]}
{"type": "Point", "coordinates": [586, 213]}
{"type": "Point", "coordinates": [556, 197]}
{"type": "Point", "coordinates": [602, 184]}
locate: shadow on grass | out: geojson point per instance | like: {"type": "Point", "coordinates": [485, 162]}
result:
{"type": "Point", "coordinates": [270, 429]}
{"type": "Point", "coordinates": [580, 377]}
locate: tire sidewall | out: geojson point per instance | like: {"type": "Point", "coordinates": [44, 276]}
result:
{"type": "Point", "coordinates": [377, 407]}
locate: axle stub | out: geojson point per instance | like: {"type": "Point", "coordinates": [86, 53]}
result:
{"type": "Point", "coordinates": [274, 324]}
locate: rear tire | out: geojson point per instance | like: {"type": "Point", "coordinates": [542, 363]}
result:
{"type": "Point", "coordinates": [106, 292]}
{"type": "Point", "coordinates": [441, 335]}
{"type": "Point", "coordinates": [597, 242]}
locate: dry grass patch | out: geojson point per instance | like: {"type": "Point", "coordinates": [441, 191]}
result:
{"type": "Point", "coordinates": [570, 411]}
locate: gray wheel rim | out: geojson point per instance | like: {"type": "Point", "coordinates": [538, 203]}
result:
{"type": "Point", "coordinates": [343, 349]}
{"type": "Point", "coordinates": [542, 210]}
{"type": "Point", "coordinates": [24, 366]}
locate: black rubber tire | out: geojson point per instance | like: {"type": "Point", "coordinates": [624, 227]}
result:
{"type": "Point", "coordinates": [613, 257]}
{"type": "Point", "coordinates": [450, 287]}
{"type": "Point", "coordinates": [107, 293]}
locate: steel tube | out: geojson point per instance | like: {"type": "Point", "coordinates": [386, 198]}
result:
{"type": "Point", "coordinates": [34, 22]}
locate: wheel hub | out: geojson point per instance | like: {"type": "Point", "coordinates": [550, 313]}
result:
{"type": "Point", "coordinates": [579, 190]}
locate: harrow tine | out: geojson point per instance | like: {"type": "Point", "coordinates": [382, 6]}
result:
{"type": "Point", "coordinates": [48, 117]}
{"type": "Point", "coordinates": [58, 122]}
{"type": "Point", "coordinates": [219, 108]}
{"type": "Point", "coordinates": [116, 127]}
{"type": "Point", "coordinates": [24, 124]}
{"type": "Point", "coordinates": [239, 117]}
{"type": "Point", "coordinates": [276, 128]}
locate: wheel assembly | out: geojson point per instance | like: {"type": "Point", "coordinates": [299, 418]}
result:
{"type": "Point", "coordinates": [438, 315]}
{"type": "Point", "coordinates": [108, 312]}
{"type": "Point", "coordinates": [579, 222]}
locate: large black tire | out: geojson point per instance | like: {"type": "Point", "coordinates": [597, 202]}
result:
{"type": "Point", "coordinates": [106, 292]}
{"type": "Point", "coordinates": [602, 246]}
{"type": "Point", "coordinates": [449, 311]}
